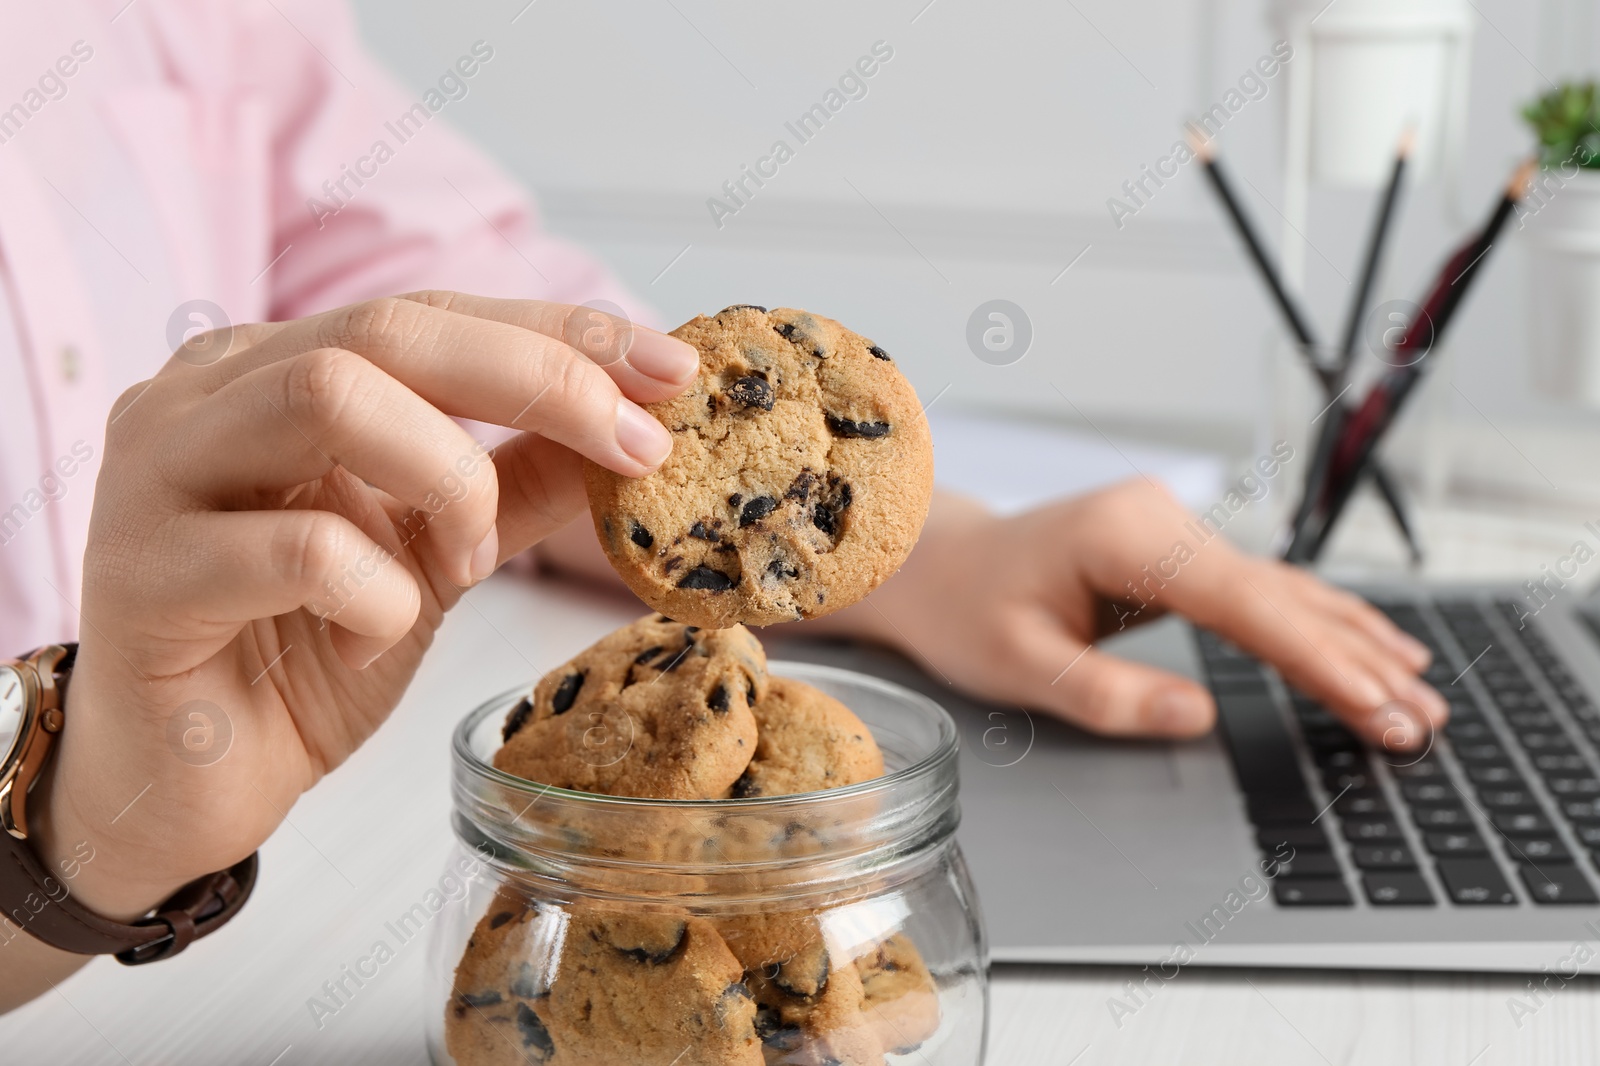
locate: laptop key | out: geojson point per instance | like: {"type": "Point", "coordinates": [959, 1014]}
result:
{"type": "Point", "coordinates": [1257, 738]}
{"type": "Point", "coordinates": [1520, 824]}
{"type": "Point", "coordinates": [1271, 809]}
{"type": "Point", "coordinates": [1587, 788]}
{"type": "Point", "coordinates": [1383, 857]}
{"type": "Point", "coordinates": [1336, 781]}
{"type": "Point", "coordinates": [1555, 882]}
{"type": "Point", "coordinates": [1538, 849]}
{"type": "Point", "coordinates": [1509, 799]}
{"type": "Point", "coordinates": [1589, 834]}
{"type": "Point", "coordinates": [1242, 685]}
{"type": "Point", "coordinates": [1335, 738]}
{"type": "Point", "coordinates": [1368, 830]}
{"type": "Point", "coordinates": [1397, 888]}
{"type": "Point", "coordinates": [1421, 770]}
{"type": "Point", "coordinates": [1454, 844]}
{"type": "Point", "coordinates": [1429, 791]}
{"type": "Point", "coordinates": [1312, 892]}
{"type": "Point", "coordinates": [1313, 719]}
{"type": "Point", "coordinates": [1365, 803]}
{"type": "Point", "coordinates": [1475, 882]}
{"type": "Point", "coordinates": [1226, 667]}
{"type": "Point", "coordinates": [1479, 753]}
{"type": "Point", "coordinates": [1468, 732]}
{"type": "Point", "coordinates": [1559, 762]}
{"type": "Point", "coordinates": [1273, 838]}
{"type": "Point", "coordinates": [1441, 817]}
{"type": "Point", "coordinates": [1343, 759]}
{"type": "Point", "coordinates": [1496, 774]}
{"type": "Point", "coordinates": [1310, 864]}
{"type": "Point", "coordinates": [1583, 812]}
{"type": "Point", "coordinates": [1545, 741]}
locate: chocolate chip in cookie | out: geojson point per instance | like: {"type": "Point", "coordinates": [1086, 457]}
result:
{"type": "Point", "coordinates": [516, 719]}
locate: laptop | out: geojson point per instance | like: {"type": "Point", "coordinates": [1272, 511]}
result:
{"type": "Point", "coordinates": [1279, 840]}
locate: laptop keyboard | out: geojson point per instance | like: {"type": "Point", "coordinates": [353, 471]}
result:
{"type": "Point", "coordinates": [1502, 808]}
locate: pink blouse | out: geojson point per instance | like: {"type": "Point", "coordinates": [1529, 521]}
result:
{"type": "Point", "coordinates": [247, 154]}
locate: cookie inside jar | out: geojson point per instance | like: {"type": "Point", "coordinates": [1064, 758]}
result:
{"type": "Point", "coordinates": [651, 976]}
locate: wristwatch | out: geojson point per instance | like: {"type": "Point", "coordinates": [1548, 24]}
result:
{"type": "Point", "coordinates": [39, 901]}
{"type": "Point", "coordinates": [30, 719]}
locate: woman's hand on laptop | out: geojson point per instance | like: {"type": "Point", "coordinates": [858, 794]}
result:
{"type": "Point", "coordinates": [1009, 609]}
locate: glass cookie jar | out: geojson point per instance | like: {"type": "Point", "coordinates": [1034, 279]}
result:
{"type": "Point", "coordinates": [835, 927]}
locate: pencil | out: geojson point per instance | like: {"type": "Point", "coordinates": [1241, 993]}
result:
{"type": "Point", "coordinates": [1462, 268]}
{"type": "Point", "coordinates": [1298, 325]}
{"type": "Point", "coordinates": [1365, 429]}
{"type": "Point", "coordinates": [1375, 246]}
{"type": "Point", "coordinates": [1321, 463]}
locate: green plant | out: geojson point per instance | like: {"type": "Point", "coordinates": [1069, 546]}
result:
{"type": "Point", "coordinates": [1567, 121]}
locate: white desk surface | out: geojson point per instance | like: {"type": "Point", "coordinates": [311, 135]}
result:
{"type": "Point", "coordinates": [369, 841]}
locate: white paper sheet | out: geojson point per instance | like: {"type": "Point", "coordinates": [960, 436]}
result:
{"type": "Point", "coordinates": [1013, 465]}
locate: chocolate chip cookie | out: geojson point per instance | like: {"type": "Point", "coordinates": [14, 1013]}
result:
{"type": "Point", "coordinates": [649, 988]}
{"type": "Point", "coordinates": [655, 709]}
{"type": "Point", "coordinates": [800, 475]}
{"type": "Point", "coordinates": [807, 741]}
{"type": "Point", "coordinates": [809, 1010]}
{"type": "Point", "coordinates": [639, 987]}
{"type": "Point", "coordinates": [490, 1018]}
{"type": "Point", "coordinates": [901, 998]}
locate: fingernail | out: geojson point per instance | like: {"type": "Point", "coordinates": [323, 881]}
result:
{"type": "Point", "coordinates": [664, 358]}
{"type": "Point", "coordinates": [1368, 693]}
{"type": "Point", "coordinates": [485, 555]}
{"type": "Point", "coordinates": [1177, 710]}
{"type": "Point", "coordinates": [1427, 697]}
{"type": "Point", "coordinates": [1412, 648]}
{"type": "Point", "coordinates": [1400, 729]}
{"type": "Point", "coordinates": [370, 661]}
{"type": "Point", "coordinates": [641, 436]}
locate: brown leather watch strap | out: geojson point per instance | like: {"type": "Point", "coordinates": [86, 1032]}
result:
{"type": "Point", "coordinates": [41, 904]}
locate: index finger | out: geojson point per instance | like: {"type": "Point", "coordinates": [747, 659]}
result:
{"type": "Point", "coordinates": [480, 369]}
{"type": "Point", "coordinates": [647, 365]}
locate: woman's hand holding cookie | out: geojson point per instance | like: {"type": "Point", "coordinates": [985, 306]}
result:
{"type": "Point", "coordinates": [276, 536]}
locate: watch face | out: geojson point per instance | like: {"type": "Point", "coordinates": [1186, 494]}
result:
{"type": "Point", "coordinates": [13, 702]}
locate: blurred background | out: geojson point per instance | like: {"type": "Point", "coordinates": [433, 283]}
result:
{"type": "Point", "coordinates": [983, 162]}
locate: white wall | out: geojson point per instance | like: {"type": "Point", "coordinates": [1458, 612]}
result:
{"type": "Point", "coordinates": [977, 166]}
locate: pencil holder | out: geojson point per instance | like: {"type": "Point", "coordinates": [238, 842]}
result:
{"type": "Point", "coordinates": [1564, 257]}
{"type": "Point", "coordinates": [1365, 69]}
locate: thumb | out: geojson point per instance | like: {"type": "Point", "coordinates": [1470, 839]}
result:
{"type": "Point", "coordinates": [1112, 696]}
{"type": "Point", "coordinates": [541, 490]}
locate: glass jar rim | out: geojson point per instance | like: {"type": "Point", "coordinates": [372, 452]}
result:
{"type": "Point", "coordinates": [939, 758]}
